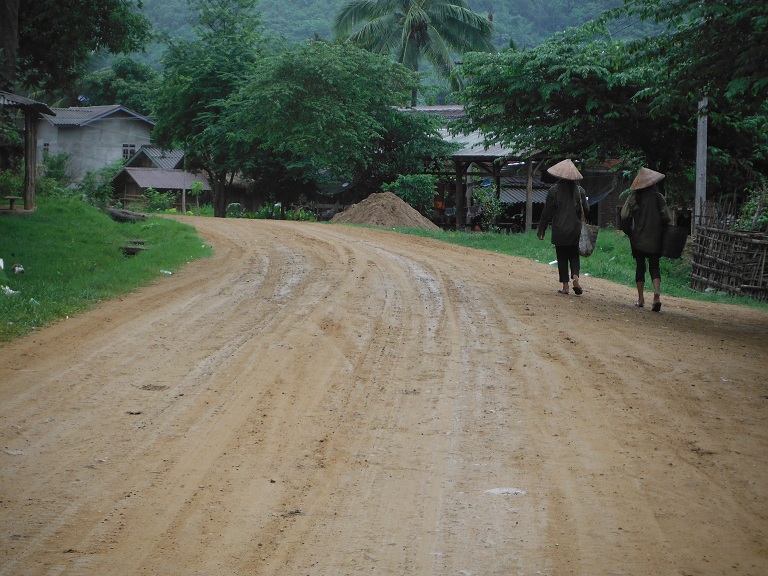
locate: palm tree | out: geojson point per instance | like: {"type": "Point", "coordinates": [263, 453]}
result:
{"type": "Point", "coordinates": [414, 30]}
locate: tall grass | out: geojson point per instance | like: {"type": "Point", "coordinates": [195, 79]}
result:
{"type": "Point", "coordinates": [612, 260]}
{"type": "Point", "coordinates": [72, 259]}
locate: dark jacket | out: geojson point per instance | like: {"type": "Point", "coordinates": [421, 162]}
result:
{"type": "Point", "coordinates": [563, 209]}
{"type": "Point", "coordinates": [643, 218]}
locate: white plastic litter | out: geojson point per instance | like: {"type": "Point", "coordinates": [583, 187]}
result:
{"type": "Point", "coordinates": [506, 492]}
{"type": "Point", "coordinates": [8, 292]}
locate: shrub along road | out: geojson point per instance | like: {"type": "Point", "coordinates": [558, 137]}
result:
{"type": "Point", "coordinates": [319, 399]}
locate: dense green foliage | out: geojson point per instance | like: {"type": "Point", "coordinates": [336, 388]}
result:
{"type": "Point", "coordinates": [417, 190]}
{"type": "Point", "coordinates": [327, 111]}
{"type": "Point", "coordinates": [127, 82]}
{"type": "Point", "coordinates": [416, 30]}
{"type": "Point", "coordinates": [56, 39]}
{"type": "Point", "coordinates": [584, 94]}
{"type": "Point", "coordinates": [526, 22]}
{"type": "Point", "coordinates": [66, 271]}
{"type": "Point", "coordinates": [198, 77]}
{"type": "Point", "coordinates": [292, 118]}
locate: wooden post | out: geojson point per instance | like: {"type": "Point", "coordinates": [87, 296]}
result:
{"type": "Point", "coordinates": [701, 166]}
{"type": "Point", "coordinates": [529, 196]}
{"type": "Point", "coordinates": [184, 194]}
{"type": "Point", "coordinates": [30, 158]}
{"type": "Point", "coordinates": [458, 165]}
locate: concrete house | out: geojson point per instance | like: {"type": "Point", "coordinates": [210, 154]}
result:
{"type": "Point", "coordinates": [93, 136]}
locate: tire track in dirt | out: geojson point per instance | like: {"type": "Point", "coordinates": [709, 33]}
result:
{"type": "Point", "coordinates": [319, 399]}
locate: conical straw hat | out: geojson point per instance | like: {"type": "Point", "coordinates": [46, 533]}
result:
{"type": "Point", "coordinates": [646, 177]}
{"type": "Point", "coordinates": [566, 170]}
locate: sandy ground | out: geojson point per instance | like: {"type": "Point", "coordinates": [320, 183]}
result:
{"type": "Point", "coordinates": [326, 400]}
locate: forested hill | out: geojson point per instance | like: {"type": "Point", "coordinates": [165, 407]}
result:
{"type": "Point", "coordinates": [526, 22]}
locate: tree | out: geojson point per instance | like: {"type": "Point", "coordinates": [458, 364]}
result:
{"type": "Point", "coordinates": [47, 43]}
{"type": "Point", "coordinates": [126, 82]}
{"type": "Point", "coordinates": [718, 50]}
{"type": "Point", "coordinates": [198, 78]}
{"type": "Point", "coordinates": [573, 96]}
{"type": "Point", "coordinates": [582, 93]}
{"type": "Point", "coordinates": [328, 110]}
{"type": "Point", "coordinates": [414, 30]}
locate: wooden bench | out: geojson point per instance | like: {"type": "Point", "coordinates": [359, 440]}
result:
{"type": "Point", "coordinates": [12, 201]}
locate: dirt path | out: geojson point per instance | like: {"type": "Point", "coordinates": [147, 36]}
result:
{"type": "Point", "coordinates": [325, 400]}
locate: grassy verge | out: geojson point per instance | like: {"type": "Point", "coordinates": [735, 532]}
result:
{"type": "Point", "coordinates": [612, 260]}
{"type": "Point", "coordinates": [72, 259]}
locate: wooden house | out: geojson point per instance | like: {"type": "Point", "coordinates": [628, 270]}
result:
{"type": "Point", "coordinates": [131, 184]}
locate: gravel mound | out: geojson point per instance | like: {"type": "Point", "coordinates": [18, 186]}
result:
{"type": "Point", "coordinates": [387, 210]}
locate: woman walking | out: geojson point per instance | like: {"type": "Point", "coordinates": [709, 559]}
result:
{"type": "Point", "coordinates": [563, 208]}
{"type": "Point", "coordinates": [643, 217]}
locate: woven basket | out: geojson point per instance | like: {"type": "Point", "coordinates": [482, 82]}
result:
{"type": "Point", "coordinates": [673, 241]}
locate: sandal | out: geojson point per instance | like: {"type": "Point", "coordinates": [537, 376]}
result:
{"type": "Point", "coordinates": [562, 292]}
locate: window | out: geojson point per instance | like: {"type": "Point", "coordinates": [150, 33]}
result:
{"type": "Point", "coordinates": [128, 151]}
{"type": "Point", "coordinates": [46, 148]}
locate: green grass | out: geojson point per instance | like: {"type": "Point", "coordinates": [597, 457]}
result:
{"type": "Point", "coordinates": [612, 260]}
{"type": "Point", "coordinates": [72, 260]}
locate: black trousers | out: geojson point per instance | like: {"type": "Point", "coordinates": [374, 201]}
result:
{"type": "Point", "coordinates": [568, 256]}
{"type": "Point", "coordinates": [653, 266]}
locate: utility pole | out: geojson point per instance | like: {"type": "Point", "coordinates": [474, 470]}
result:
{"type": "Point", "coordinates": [701, 165]}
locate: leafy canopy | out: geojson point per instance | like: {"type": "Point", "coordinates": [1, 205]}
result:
{"type": "Point", "coordinates": [198, 77]}
{"type": "Point", "coordinates": [582, 93]}
{"type": "Point", "coordinates": [322, 108]}
{"type": "Point", "coordinates": [56, 38]}
{"type": "Point", "coordinates": [415, 30]}
{"type": "Point", "coordinates": [126, 82]}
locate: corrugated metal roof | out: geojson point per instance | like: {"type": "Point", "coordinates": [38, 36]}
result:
{"type": "Point", "coordinates": [474, 146]}
{"type": "Point", "coordinates": [514, 190]}
{"type": "Point", "coordinates": [165, 179]}
{"type": "Point", "coordinates": [84, 115]}
{"type": "Point", "coordinates": [165, 159]}
{"type": "Point", "coordinates": [16, 101]}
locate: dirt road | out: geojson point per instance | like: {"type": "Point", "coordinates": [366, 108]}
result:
{"type": "Point", "coordinates": [326, 400]}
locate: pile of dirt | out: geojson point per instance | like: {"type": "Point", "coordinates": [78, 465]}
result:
{"type": "Point", "coordinates": [384, 209]}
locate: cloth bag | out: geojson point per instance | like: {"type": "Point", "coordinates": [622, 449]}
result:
{"type": "Point", "coordinates": [588, 236]}
{"type": "Point", "coordinates": [673, 241]}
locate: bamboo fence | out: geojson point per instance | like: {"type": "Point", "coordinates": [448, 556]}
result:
{"type": "Point", "coordinates": [727, 259]}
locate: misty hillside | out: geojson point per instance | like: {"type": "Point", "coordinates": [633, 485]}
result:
{"type": "Point", "coordinates": [526, 22]}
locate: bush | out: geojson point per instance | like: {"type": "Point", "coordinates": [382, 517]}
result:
{"type": "Point", "coordinates": [158, 201]}
{"type": "Point", "coordinates": [96, 186]}
{"type": "Point", "coordinates": [11, 183]}
{"type": "Point", "coordinates": [492, 208]}
{"type": "Point", "coordinates": [418, 190]}
{"type": "Point", "coordinates": [754, 212]}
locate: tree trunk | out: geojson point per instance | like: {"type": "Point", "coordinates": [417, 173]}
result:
{"type": "Point", "coordinates": [220, 195]}
{"type": "Point", "coordinates": [30, 158]}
